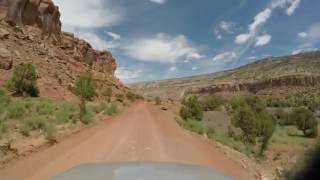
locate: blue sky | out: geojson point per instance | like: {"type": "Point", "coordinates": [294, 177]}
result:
{"type": "Point", "coordinates": [160, 39]}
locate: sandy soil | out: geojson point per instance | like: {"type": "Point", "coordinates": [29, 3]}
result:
{"type": "Point", "coordinates": [142, 132]}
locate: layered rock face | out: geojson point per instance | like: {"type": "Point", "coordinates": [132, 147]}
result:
{"type": "Point", "coordinates": [291, 83]}
{"type": "Point", "coordinates": [30, 32]}
{"type": "Point", "coordinates": [41, 13]}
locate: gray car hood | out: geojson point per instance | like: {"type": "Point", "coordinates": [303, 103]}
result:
{"type": "Point", "coordinates": [140, 171]}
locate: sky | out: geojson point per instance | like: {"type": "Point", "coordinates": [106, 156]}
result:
{"type": "Point", "coordinates": [162, 39]}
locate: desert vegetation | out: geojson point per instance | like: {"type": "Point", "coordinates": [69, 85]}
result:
{"type": "Point", "coordinates": [86, 91]}
{"type": "Point", "coordinates": [23, 81]}
{"type": "Point", "coordinates": [254, 122]}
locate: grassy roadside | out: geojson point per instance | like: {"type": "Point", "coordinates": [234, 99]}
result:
{"type": "Point", "coordinates": [29, 117]}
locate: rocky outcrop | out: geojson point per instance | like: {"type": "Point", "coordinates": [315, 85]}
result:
{"type": "Point", "coordinates": [41, 13]}
{"type": "Point", "coordinates": [101, 61]}
{"type": "Point", "coordinates": [254, 87]}
{"type": "Point", "coordinates": [30, 32]}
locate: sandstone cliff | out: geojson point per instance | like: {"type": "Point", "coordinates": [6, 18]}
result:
{"type": "Point", "coordinates": [30, 32]}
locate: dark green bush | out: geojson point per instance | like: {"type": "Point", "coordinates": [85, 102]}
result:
{"type": "Point", "coordinates": [305, 121]}
{"type": "Point", "coordinates": [249, 114]}
{"type": "Point", "coordinates": [24, 80]}
{"type": "Point", "coordinates": [211, 103]}
{"type": "Point", "coordinates": [191, 109]}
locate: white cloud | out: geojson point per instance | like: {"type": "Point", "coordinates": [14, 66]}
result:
{"type": "Point", "coordinates": [302, 35]}
{"type": "Point", "coordinates": [242, 38]}
{"type": "Point", "coordinates": [227, 26]}
{"type": "Point", "coordinates": [298, 51]}
{"type": "Point", "coordinates": [260, 19]}
{"type": "Point", "coordinates": [93, 38]}
{"type": "Point", "coordinates": [294, 5]}
{"type": "Point", "coordinates": [225, 57]}
{"type": "Point", "coordinates": [162, 48]}
{"type": "Point", "coordinates": [263, 40]}
{"type": "Point", "coordinates": [158, 1]}
{"type": "Point", "coordinates": [195, 68]}
{"type": "Point", "coordinates": [173, 68]}
{"type": "Point", "coordinates": [219, 37]}
{"type": "Point", "coordinates": [90, 13]}
{"type": "Point", "coordinates": [128, 75]}
{"type": "Point", "coordinates": [114, 36]}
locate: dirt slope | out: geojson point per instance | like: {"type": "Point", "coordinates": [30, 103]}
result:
{"type": "Point", "coordinates": [142, 132]}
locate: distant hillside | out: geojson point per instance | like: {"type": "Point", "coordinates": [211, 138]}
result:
{"type": "Point", "coordinates": [275, 73]}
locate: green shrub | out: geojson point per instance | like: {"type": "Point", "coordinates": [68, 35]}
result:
{"type": "Point", "coordinates": [50, 133]}
{"type": "Point", "coordinates": [15, 110]}
{"type": "Point", "coordinates": [282, 118]}
{"type": "Point", "coordinates": [192, 125]}
{"type": "Point", "coordinates": [66, 112]}
{"type": "Point", "coordinates": [157, 100]}
{"type": "Point", "coordinates": [131, 96]}
{"type": "Point", "coordinates": [235, 133]}
{"type": "Point", "coordinates": [36, 123]}
{"type": "Point", "coordinates": [249, 114]}
{"type": "Point", "coordinates": [24, 80]}
{"type": "Point", "coordinates": [120, 97]}
{"type": "Point", "coordinates": [86, 91]}
{"type": "Point", "coordinates": [191, 109]}
{"type": "Point", "coordinates": [109, 109]}
{"type": "Point", "coordinates": [85, 88]}
{"type": "Point", "coordinates": [245, 118]}
{"type": "Point", "coordinates": [211, 103]}
{"type": "Point", "coordinates": [305, 121]}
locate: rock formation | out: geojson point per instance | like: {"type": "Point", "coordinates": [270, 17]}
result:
{"type": "Point", "coordinates": [30, 32]}
{"type": "Point", "coordinates": [304, 81]}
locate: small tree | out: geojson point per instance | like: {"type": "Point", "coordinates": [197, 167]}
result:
{"type": "Point", "coordinates": [245, 118]}
{"type": "Point", "coordinates": [24, 80]}
{"type": "Point", "coordinates": [305, 121]}
{"type": "Point", "coordinates": [86, 91]}
{"type": "Point", "coordinates": [191, 109]}
{"type": "Point", "coordinates": [211, 103]}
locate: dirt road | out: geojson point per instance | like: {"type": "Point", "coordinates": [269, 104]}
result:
{"type": "Point", "coordinates": [142, 132]}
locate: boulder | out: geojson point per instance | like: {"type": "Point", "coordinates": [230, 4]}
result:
{"type": "Point", "coordinates": [4, 34]}
{"type": "Point", "coordinates": [6, 64]}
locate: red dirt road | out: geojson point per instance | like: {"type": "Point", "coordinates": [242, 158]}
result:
{"type": "Point", "coordinates": [142, 132]}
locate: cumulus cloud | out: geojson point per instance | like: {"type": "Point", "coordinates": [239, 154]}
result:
{"type": "Point", "coordinates": [263, 40]}
{"type": "Point", "coordinates": [90, 13]}
{"type": "Point", "coordinates": [162, 48]}
{"type": "Point", "coordinates": [128, 75]}
{"type": "Point", "coordinates": [309, 38]}
{"type": "Point", "coordinates": [260, 19]}
{"type": "Point", "coordinates": [254, 29]}
{"type": "Point", "coordinates": [294, 5]}
{"type": "Point", "coordinates": [93, 38]}
{"type": "Point", "coordinates": [225, 57]}
{"type": "Point", "coordinates": [242, 38]}
{"type": "Point", "coordinates": [302, 35]}
{"type": "Point", "coordinates": [114, 36]}
{"type": "Point", "coordinates": [227, 26]}
{"type": "Point", "coordinates": [158, 1]}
